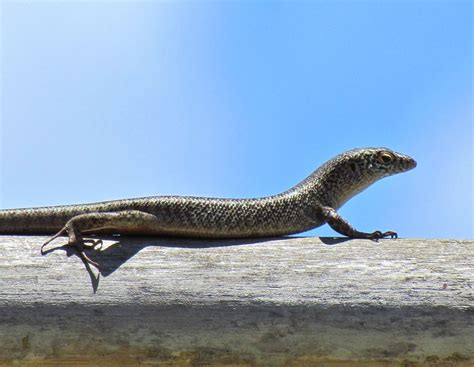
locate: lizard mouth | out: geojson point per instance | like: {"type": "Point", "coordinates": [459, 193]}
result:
{"type": "Point", "coordinates": [410, 163]}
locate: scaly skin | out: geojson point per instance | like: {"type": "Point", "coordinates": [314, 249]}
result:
{"type": "Point", "coordinates": [307, 205]}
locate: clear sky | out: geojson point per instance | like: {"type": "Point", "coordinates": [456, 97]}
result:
{"type": "Point", "coordinates": [104, 100]}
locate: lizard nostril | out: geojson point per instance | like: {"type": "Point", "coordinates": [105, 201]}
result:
{"type": "Point", "coordinates": [412, 163]}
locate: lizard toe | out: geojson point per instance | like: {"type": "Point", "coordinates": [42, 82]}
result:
{"type": "Point", "coordinates": [390, 234]}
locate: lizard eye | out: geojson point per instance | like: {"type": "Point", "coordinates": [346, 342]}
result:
{"type": "Point", "coordinates": [385, 158]}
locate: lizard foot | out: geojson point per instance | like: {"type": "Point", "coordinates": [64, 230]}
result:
{"type": "Point", "coordinates": [78, 243]}
{"type": "Point", "coordinates": [377, 235]}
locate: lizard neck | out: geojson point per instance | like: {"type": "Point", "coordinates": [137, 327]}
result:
{"type": "Point", "coordinates": [333, 184]}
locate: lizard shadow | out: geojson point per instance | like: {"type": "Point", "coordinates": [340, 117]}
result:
{"type": "Point", "coordinates": [123, 248]}
{"type": "Point", "coordinates": [119, 249]}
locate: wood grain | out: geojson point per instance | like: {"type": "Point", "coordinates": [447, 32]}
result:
{"type": "Point", "coordinates": [273, 302]}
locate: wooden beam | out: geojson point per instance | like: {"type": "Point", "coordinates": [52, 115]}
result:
{"type": "Point", "coordinates": [275, 302]}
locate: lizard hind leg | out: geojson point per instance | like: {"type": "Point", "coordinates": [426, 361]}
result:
{"type": "Point", "coordinates": [100, 222]}
{"type": "Point", "coordinates": [75, 240]}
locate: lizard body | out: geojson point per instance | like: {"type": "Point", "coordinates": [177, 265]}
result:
{"type": "Point", "coordinates": [311, 203]}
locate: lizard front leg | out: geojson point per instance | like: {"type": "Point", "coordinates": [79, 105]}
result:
{"type": "Point", "coordinates": [341, 226]}
{"type": "Point", "coordinates": [127, 221]}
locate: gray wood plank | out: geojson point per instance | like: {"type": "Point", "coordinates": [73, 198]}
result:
{"type": "Point", "coordinates": [252, 302]}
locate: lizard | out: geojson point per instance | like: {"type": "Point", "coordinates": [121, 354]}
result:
{"type": "Point", "coordinates": [307, 205]}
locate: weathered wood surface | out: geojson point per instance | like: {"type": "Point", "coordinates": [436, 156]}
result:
{"type": "Point", "coordinates": [276, 302]}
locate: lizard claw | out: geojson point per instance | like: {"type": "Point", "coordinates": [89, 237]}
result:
{"type": "Point", "coordinates": [51, 239]}
{"type": "Point", "coordinates": [377, 235]}
{"type": "Point", "coordinates": [391, 234]}
{"type": "Point", "coordinates": [79, 243]}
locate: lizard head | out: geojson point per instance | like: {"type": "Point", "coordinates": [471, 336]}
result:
{"type": "Point", "coordinates": [376, 163]}
{"type": "Point", "coordinates": [353, 171]}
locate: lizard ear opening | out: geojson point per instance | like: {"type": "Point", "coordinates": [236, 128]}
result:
{"type": "Point", "coordinates": [353, 167]}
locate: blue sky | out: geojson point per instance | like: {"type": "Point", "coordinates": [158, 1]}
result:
{"type": "Point", "coordinates": [107, 100]}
